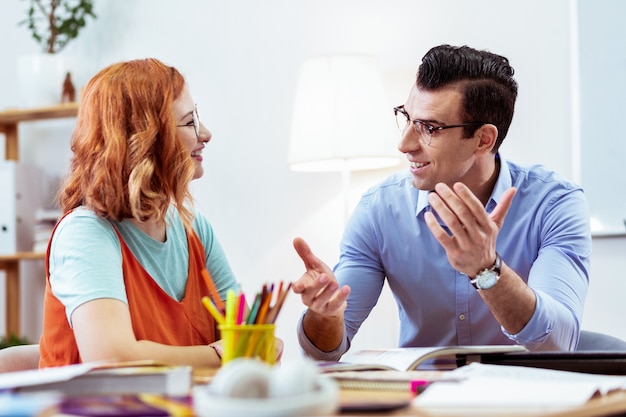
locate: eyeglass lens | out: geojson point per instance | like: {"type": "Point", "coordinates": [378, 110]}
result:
{"type": "Point", "coordinates": [402, 118]}
{"type": "Point", "coordinates": [422, 129]}
{"type": "Point", "coordinates": [196, 121]}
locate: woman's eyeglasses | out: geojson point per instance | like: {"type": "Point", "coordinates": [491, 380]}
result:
{"type": "Point", "coordinates": [195, 122]}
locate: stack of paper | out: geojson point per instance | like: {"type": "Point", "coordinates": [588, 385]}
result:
{"type": "Point", "coordinates": [483, 385]}
{"type": "Point", "coordinates": [102, 379]}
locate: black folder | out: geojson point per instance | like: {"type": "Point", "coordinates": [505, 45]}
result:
{"type": "Point", "coordinates": [593, 362]}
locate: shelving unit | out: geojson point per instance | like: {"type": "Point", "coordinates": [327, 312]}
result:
{"type": "Point", "coordinates": [10, 119]}
{"type": "Point", "coordinates": [10, 264]}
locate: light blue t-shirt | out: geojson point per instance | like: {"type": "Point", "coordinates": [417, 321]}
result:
{"type": "Point", "coordinates": [86, 260]}
{"type": "Point", "coordinates": [545, 238]}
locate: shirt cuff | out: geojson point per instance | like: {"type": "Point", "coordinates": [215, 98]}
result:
{"type": "Point", "coordinates": [537, 330]}
{"type": "Point", "coordinates": [310, 350]}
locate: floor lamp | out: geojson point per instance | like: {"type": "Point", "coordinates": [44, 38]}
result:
{"type": "Point", "coordinates": [342, 121]}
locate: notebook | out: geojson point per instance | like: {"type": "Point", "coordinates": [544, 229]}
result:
{"type": "Point", "coordinates": [102, 379]}
{"type": "Point", "coordinates": [593, 362]}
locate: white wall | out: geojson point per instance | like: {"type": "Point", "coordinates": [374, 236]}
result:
{"type": "Point", "coordinates": [602, 42]}
{"type": "Point", "coordinates": [241, 59]}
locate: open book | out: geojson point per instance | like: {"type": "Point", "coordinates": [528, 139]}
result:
{"type": "Point", "coordinates": [406, 359]}
{"type": "Point", "coordinates": [102, 379]}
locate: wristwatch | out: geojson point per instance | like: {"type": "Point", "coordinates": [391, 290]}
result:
{"type": "Point", "coordinates": [488, 277]}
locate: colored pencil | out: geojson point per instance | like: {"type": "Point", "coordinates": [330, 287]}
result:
{"type": "Point", "coordinates": [217, 315]}
{"type": "Point", "coordinates": [273, 314]}
{"type": "Point", "coordinates": [231, 301]}
{"type": "Point", "coordinates": [254, 310]}
{"type": "Point", "coordinates": [214, 294]}
{"type": "Point", "coordinates": [241, 308]}
{"type": "Point", "coordinates": [265, 302]}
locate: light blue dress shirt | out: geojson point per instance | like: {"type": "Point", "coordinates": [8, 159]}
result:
{"type": "Point", "coordinates": [545, 238]}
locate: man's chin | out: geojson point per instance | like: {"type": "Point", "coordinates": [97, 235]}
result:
{"type": "Point", "coordinates": [421, 186]}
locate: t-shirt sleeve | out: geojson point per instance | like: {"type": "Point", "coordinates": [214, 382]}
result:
{"type": "Point", "coordinates": [216, 261]}
{"type": "Point", "coordinates": [85, 261]}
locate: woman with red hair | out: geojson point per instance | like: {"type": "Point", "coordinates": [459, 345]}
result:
{"type": "Point", "coordinates": [127, 264]}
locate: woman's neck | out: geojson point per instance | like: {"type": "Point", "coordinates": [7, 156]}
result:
{"type": "Point", "coordinates": [153, 228]}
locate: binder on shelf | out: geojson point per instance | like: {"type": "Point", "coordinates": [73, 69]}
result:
{"type": "Point", "coordinates": [20, 191]}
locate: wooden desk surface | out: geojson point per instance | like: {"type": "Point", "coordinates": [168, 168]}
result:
{"type": "Point", "coordinates": [612, 404]}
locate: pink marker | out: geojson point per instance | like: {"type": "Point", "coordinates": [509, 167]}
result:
{"type": "Point", "coordinates": [242, 307]}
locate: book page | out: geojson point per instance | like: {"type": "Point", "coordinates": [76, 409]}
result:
{"type": "Point", "coordinates": [603, 383]}
{"type": "Point", "coordinates": [481, 385]}
{"type": "Point", "coordinates": [404, 359]}
{"type": "Point", "coordinates": [399, 359]}
{"type": "Point", "coordinates": [43, 376]}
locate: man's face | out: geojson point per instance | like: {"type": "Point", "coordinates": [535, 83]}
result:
{"type": "Point", "coordinates": [449, 157]}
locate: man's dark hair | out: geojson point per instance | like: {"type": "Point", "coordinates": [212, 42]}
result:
{"type": "Point", "coordinates": [484, 78]}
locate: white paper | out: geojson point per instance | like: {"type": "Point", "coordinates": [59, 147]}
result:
{"type": "Point", "coordinates": [516, 386]}
{"type": "Point", "coordinates": [42, 376]}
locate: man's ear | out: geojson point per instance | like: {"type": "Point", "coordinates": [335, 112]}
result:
{"type": "Point", "coordinates": [487, 135]}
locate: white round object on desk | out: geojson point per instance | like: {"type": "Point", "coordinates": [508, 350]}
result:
{"type": "Point", "coordinates": [322, 400]}
{"type": "Point", "coordinates": [293, 379]}
{"type": "Point", "coordinates": [242, 378]}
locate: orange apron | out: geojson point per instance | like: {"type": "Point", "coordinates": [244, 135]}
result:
{"type": "Point", "coordinates": [154, 314]}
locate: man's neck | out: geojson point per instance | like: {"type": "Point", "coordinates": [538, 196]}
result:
{"type": "Point", "coordinates": [484, 189]}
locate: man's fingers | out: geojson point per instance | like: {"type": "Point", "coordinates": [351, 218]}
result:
{"type": "Point", "coordinates": [330, 302]}
{"type": "Point", "coordinates": [321, 294]}
{"type": "Point", "coordinates": [304, 251]}
{"type": "Point", "coordinates": [451, 210]}
{"type": "Point", "coordinates": [319, 291]}
{"type": "Point", "coordinates": [499, 213]}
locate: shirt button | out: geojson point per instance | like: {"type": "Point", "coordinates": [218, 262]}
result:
{"type": "Point", "coordinates": [461, 316]}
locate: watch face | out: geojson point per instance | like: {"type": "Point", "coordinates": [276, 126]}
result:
{"type": "Point", "coordinates": [487, 280]}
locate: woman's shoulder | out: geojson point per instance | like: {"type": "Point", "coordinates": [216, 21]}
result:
{"type": "Point", "coordinates": [202, 227]}
{"type": "Point", "coordinates": [84, 234]}
{"type": "Point", "coordinates": [84, 221]}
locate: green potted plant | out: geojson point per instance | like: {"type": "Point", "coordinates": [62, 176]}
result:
{"type": "Point", "coordinates": [13, 340]}
{"type": "Point", "coordinates": [43, 77]}
{"type": "Point", "coordinates": [54, 23]}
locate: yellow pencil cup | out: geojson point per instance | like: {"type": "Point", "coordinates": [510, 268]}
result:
{"type": "Point", "coordinates": [248, 341]}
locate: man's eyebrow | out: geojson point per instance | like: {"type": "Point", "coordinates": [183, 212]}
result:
{"type": "Point", "coordinates": [430, 121]}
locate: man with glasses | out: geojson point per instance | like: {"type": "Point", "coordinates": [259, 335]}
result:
{"type": "Point", "coordinates": [476, 249]}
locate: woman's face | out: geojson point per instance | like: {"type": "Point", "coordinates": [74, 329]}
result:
{"type": "Point", "coordinates": [191, 131]}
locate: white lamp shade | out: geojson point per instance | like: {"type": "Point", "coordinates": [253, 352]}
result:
{"type": "Point", "coordinates": [341, 117]}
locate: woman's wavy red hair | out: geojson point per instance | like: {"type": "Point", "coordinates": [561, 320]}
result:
{"type": "Point", "coordinates": [127, 158]}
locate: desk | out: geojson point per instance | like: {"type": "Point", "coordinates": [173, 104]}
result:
{"type": "Point", "coordinates": [10, 264]}
{"type": "Point", "coordinates": [613, 404]}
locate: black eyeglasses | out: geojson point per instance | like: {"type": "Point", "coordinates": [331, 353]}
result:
{"type": "Point", "coordinates": [424, 130]}
{"type": "Point", "coordinates": [195, 122]}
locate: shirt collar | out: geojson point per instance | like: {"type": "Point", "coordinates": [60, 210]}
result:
{"type": "Point", "coordinates": [502, 184]}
